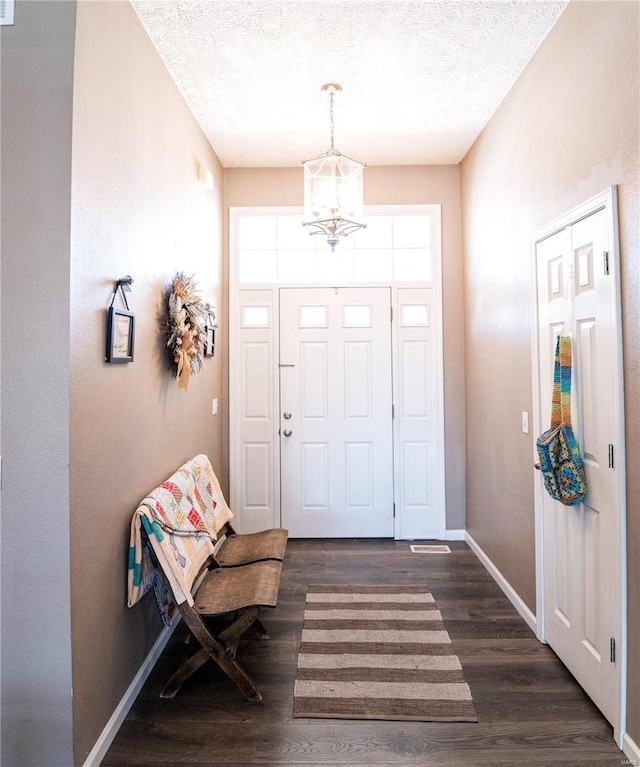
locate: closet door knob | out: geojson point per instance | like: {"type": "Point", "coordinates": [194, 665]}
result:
{"type": "Point", "coordinates": [287, 432]}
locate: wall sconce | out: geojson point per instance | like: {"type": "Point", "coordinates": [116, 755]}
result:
{"type": "Point", "coordinates": [205, 177]}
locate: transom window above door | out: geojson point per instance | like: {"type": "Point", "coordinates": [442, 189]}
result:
{"type": "Point", "coordinates": [274, 248]}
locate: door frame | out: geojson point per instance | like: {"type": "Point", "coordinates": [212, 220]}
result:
{"type": "Point", "coordinates": [435, 210]}
{"type": "Point", "coordinates": [606, 200]}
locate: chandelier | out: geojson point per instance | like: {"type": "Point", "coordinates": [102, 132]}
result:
{"type": "Point", "coordinates": [333, 189]}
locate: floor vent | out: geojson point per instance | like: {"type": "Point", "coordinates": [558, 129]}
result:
{"type": "Point", "coordinates": [430, 549]}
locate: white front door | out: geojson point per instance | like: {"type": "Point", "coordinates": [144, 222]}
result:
{"type": "Point", "coordinates": [576, 289]}
{"type": "Point", "coordinates": [336, 441]}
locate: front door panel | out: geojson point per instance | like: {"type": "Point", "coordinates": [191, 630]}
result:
{"type": "Point", "coordinates": [336, 443]}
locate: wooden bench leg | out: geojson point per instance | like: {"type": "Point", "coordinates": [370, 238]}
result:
{"type": "Point", "coordinates": [240, 678]}
{"type": "Point", "coordinates": [220, 649]}
{"type": "Point", "coordinates": [231, 636]}
{"type": "Point", "coordinates": [185, 670]}
{"type": "Point", "coordinates": [231, 668]}
{"type": "Point", "coordinates": [261, 631]}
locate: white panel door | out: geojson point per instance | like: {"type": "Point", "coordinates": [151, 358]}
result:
{"type": "Point", "coordinates": [581, 547]}
{"type": "Point", "coordinates": [419, 463]}
{"type": "Point", "coordinates": [335, 416]}
{"type": "Point", "coordinates": [254, 459]}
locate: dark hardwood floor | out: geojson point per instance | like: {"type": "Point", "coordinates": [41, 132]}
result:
{"type": "Point", "coordinates": [531, 711]}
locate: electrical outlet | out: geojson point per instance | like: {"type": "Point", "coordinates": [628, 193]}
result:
{"type": "Point", "coordinates": [214, 406]}
{"type": "Point", "coordinates": [525, 422]}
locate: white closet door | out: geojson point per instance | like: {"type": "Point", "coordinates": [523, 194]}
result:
{"type": "Point", "coordinates": [576, 296]}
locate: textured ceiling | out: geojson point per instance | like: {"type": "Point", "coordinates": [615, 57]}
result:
{"type": "Point", "coordinates": [420, 79]}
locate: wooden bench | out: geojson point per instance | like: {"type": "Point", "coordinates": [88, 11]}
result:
{"type": "Point", "coordinates": [244, 548]}
{"type": "Point", "coordinates": [234, 594]}
{"type": "Point", "coordinates": [219, 579]}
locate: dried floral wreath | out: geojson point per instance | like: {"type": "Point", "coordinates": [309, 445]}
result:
{"type": "Point", "coordinates": [182, 321]}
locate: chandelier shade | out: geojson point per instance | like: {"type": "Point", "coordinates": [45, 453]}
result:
{"type": "Point", "coordinates": [333, 191]}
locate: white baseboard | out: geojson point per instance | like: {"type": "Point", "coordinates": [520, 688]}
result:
{"type": "Point", "coordinates": [97, 753]}
{"type": "Point", "coordinates": [631, 751]}
{"type": "Point", "coordinates": [454, 535]}
{"type": "Point", "coordinates": [511, 594]}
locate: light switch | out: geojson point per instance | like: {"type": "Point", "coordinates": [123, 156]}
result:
{"type": "Point", "coordinates": [525, 422]}
{"type": "Point", "coordinates": [214, 406]}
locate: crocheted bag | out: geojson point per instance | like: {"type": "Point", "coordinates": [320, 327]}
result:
{"type": "Point", "coordinates": [560, 460]}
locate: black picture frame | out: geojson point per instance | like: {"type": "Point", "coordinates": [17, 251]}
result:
{"type": "Point", "coordinates": [209, 340]}
{"type": "Point", "coordinates": [120, 335]}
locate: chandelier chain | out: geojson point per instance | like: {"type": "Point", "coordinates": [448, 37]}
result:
{"type": "Point", "coordinates": [331, 118]}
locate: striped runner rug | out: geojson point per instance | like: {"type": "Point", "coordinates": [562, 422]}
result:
{"type": "Point", "coordinates": [378, 652]}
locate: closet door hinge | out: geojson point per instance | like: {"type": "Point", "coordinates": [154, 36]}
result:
{"type": "Point", "coordinates": [611, 456]}
{"type": "Point", "coordinates": [612, 650]}
{"type": "Point", "coordinates": [605, 258]}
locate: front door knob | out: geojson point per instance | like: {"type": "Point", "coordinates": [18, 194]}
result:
{"type": "Point", "coordinates": [287, 432]}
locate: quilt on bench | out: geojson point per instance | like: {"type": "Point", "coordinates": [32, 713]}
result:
{"type": "Point", "coordinates": [182, 518]}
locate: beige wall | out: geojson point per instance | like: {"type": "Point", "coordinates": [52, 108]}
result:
{"type": "Point", "coordinates": [137, 209]}
{"type": "Point", "coordinates": [395, 186]}
{"type": "Point", "coordinates": [567, 130]}
{"type": "Point", "coordinates": [37, 96]}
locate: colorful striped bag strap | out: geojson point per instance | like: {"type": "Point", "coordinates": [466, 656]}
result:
{"type": "Point", "coordinates": [556, 405]}
{"type": "Point", "coordinates": [565, 374]}
{"type": "Point", "coordinates": [561, 399]}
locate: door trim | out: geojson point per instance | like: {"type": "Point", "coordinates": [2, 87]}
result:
{"type": "Point", "coordinates": [234, 288]}
{"type": "Point", "coordinates": [609, 200]}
